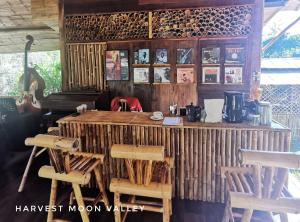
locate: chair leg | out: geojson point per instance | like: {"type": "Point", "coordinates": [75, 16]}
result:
{"type": "Point", "coordinates": [117, 204]}
{"type": "Point", "coordinates": [171, 209]}
{"type": "Point", "coordinates": [284, 217]}
{"type": "Point", "coordinates": [228, 215]}
{"type": "Point", "coordinates": [101, 187]}
{"type": "Point", "coordinates": [80, 202]}
{"type": "Point", "coordinates": [71, 202]}
{"type": "Point", "coordinates": [25, 174]}
{"type": "Point", "coordinates": [52, 199]}
{"type": "Point", "coordinates": [166, 210]}
{"type": "Point", "coordinates": [247, 215]}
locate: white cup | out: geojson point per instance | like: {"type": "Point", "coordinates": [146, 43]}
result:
{"type": "Point", "coordinates": [158, 115]}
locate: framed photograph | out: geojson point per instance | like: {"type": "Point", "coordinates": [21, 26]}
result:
{"type": "Point", "coordinates": [211, 55]}
{"type": "Point", "coordinates": [211, 75]}
{"type": "Point", "coordinates": [233, 75]}
{"type": "Point", "coordinates": [116, 65]}
{"type": "Point", "coordinates": [184, 56]}
{"type": "Point", "coordinates": [162, 74]}
{"type": "Point", "coordinates": [143, 56]}
{"type": "Point", "coordinates": [161, 56]}
{"type": "Point", "coordinates": [141, 75]}
{"type": "Point", "coordinates": [234, 55]}
{"type": "Point", "coordinates": [185, 75]}
{"type": "Point", "coordinates": [136, 57]}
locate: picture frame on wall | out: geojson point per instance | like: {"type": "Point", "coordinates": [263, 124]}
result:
{"type": "Point", "coordinates": [162, 74]}
{"type": "Point", "coordinates": [211, 75]}
{"type": "Point", "coordinates": [211, 55]}
{"type": "Point", "coordinates": [233, 75]}
{"type": "Point", "coordinates": [185, 75]}
{"type": "Point", "coordinates": [141, 75]}
{"type": "Point", "coordinates": [161, 56]}
{"type": "Point", "coordinates": [184, 56]}
{"type": "Point", "coordinates": [143, 56]}
{"type": "Point", "coordinates": [116, 65]}
{"type": "Point", "coordinates": [234, 55]}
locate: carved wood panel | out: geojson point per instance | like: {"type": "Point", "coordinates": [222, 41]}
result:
{"type": "Point", "coordinates": [116, 26]}
{"type": "Point", "coordinates": [176, 23]}
{"type": "Point", "coordinates": [202, 22]}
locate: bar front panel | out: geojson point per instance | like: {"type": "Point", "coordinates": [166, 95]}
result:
{"type": "Point", "coordinates": [199, 151]}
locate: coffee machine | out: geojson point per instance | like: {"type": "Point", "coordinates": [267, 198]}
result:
{"type": "Point", "coordinates": [233, 107]}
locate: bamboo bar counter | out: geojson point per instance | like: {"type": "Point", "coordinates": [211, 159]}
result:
{"type": "Point", "coordinates": [200, 149]}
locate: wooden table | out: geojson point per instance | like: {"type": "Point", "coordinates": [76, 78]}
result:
{"type": "Point", "coordinates": [199, 148]}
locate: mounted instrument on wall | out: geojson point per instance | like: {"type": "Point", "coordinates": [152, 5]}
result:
{"type": "Point", "coordinates": [31, 85]}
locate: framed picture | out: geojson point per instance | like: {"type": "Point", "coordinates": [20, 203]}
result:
{"type": "Point", "coordinates": [211, 75]}
{"type": "Point", "coordinates": [162, 74]}
{"type": "Point", "coordinates": [184, 56]}
{"type": "Point", "coordinates": [234, 55]}
{"type": "Point", "coordinates": [116, 65]}
{"type": "Point", "coordinates": [161, 56]}
{"type": "Point", "coordinates": [143, 56]}
{"type": "Point", "coordinates": [136, 57]}
{"type": "Point", "coordinates": [185, 75]}
{"type": "Point", "coordinates": [211, 55]}
{"type": "Point", "coordinates": [141, 75]}
{"type": "Point", "coordinates": [233, 75]}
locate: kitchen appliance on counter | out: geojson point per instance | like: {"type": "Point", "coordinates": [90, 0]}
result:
{"type": "Point", "coordinates": [193, 113]}
{"type": "Point", "coordinates": [265, 111]}
{"type": "Point", "coordinates": [233, 110]}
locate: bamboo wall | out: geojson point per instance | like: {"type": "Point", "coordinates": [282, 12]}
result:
{"type": "Point", "coordinates": [199, 151]}
{"type": "Point", "coordinates": [85, 62]}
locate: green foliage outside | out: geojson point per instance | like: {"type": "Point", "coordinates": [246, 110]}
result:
{"type": "Point", "coordinates": [50, 72]}
{"type": "Point", "coordinates": [287, 46]}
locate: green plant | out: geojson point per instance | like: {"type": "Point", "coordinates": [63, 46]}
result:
{"type": "Point", "coordinates": [50, 72]}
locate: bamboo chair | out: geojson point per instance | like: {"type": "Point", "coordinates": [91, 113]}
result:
{"type": "Point", "coordinates": [123, 105]}
{"type": "Point", "coordinates": [149, 175]}
{"type": "Point", "coordinates": [261, 186]}
{"type": "Point", "coordinates": [70, 165]}
{"type": "Point", "coordinates": [34, 154]}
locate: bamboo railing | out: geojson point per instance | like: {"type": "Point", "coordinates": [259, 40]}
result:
{"type": "Point", "coordinates": [199, 151]}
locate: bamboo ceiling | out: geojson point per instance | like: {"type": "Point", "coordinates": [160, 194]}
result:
{"type": "Point", "coordinates": [19, 18]}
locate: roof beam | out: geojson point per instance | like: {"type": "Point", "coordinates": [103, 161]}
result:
{"type": "Point", "coordinates": [26, 29]}
{"type": "Point", "coordinates": [275, 39]}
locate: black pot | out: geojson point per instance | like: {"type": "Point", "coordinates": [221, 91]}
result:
{"type": "Point", "coordinates": [233, 106]}
{"type": "Point", "coordinates": [193, 113]}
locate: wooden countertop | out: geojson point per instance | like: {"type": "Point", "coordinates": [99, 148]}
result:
{"type": "Point", "coordinates": [143, 118]}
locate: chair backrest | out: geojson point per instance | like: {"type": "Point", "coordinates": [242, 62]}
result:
{"type": "Point", "coordinates": [59, 149]}
{"type": "Point", "coordinates": [144, 164]}
{"type": "Point", "coordinates": [123, 105]}
{"type": "Point", "coordinates": [270, 170]}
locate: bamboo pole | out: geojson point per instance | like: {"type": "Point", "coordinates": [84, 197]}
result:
{"type": "Point", "coordinates": [181, 179]}
{"type": "Point", "coordinates": [204, 158]}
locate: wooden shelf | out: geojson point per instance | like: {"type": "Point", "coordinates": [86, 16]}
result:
{"type": "Point", "coordinates": [234, 64]}
{"type": "Point", "coordinates": [140, 65]}
{"type": "Point", "coordinates": [161, 83]}
{"type": "Point", "coordinates": [185, 65]}
{"type": "Point", "coordinates": [161, 65]}
{"type": "Point", "coordinates": [210, 64]}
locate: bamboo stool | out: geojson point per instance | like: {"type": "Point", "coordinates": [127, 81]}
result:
{"type": "Point", "coordinates": [69, 165]}
{"type": "Point", "coordinates": [35, 154]}
{"type": "Point", "coordinates": [144, 165]}
{"type": "Point", "coordinates": [261, 186]}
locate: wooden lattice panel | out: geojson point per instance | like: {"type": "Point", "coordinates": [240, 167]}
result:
{"type": "Point", "coordinates": [177, 23]}
{"type": "Point", "coordinates": [117, 26]}
{"type": "Point", "coordinates": [285, 99]}
{"type": "Point", "coordinates": [85, 65]}
{"type": "Point", "coordinates": [203, 22]}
